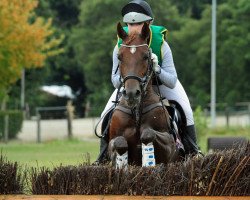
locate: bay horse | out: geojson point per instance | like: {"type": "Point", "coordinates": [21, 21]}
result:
{"type": "Point", "coordinates": [139, 131]}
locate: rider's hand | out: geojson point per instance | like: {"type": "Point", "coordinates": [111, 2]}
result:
{"type": "Point", "coordinates": [156, 67]}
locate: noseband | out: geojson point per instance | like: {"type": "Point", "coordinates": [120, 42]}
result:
{"type": "Point", "coordinates": [142, 80]}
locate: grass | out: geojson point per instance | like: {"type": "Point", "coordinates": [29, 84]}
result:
{"type": "Point", "coordinates": [73, 152]}
{"type": "Point", "coordinates": [50, 154]}
{"type": "Point", "coordinates": [222, 132]}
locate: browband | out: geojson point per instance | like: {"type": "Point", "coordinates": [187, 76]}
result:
{"type": "Point", "coordinates": [134, 46]}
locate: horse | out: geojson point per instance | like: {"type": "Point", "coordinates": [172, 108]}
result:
{"type": "Point", "coordinates": [140, 129]}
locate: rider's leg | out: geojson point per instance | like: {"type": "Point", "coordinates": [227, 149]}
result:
{"type": "Point", "coordinates": [110, 103]}
{"type": "Point", "coordinates": [102, 157]}
{"type": "Point", "coordinates": [106, 114]}
{"type": "Point", "coordinates": [179, 95]}
{"type": "Point", "coordinates": [190, 141]}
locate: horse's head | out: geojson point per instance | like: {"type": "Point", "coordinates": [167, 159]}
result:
{"type": "Point", "coordinates": [135, 63]}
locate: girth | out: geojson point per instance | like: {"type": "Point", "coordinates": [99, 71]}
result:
{"type": "Point", "coordinates": [144, 110]}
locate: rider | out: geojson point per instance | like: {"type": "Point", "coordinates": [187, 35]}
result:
{"type": "Point", "coordinates": [135, 13]}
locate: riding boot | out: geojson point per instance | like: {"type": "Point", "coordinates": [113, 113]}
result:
{"type": "Point", "coordinates": [190, 142]}
{"type": "Point", "coordinates": [103, 155]}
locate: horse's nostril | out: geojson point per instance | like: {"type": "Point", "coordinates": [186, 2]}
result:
{"type": "Point", "coordinates": [138, 93]}
{"type": "Point", "coordinates": [124, 93]}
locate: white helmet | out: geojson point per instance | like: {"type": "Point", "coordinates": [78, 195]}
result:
{"type": "Point", "coordinates": [137, 11]}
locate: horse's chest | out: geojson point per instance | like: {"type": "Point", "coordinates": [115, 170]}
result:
{"type": "Point", "coordinates": [156, 120]}
{"type": "Point", "coordinates": [126, 124]}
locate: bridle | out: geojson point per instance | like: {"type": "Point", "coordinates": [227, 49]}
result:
{"type": "Point", "coordinates": [142, 80]}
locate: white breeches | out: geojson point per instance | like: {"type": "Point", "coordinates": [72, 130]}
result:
{"type": "Point", "coordinates": [110, 103]}
{"type": "Point", "coordinates": [177, 94]}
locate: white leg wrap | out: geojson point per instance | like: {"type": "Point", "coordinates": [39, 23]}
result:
{"type": "Point", "coordinates": [122, 160]}
{"type": "Point", "coordinates": [148, 156]}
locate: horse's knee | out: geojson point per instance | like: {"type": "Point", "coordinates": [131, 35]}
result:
{"type": "Point", "coordinates": [120, 145]}
{"type": "Point", "coordinates": [148, 135]}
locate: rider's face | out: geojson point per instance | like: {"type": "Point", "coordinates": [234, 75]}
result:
{"type": "Point", "coordinates": [136, 27]}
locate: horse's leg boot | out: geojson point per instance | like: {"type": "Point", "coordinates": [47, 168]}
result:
{"type": "Point", "coordinates": [148, 136]}
{"type": "Point", "coordinates": [121, 149]}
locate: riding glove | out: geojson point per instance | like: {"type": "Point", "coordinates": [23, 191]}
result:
{"type": "Point", "coordinates": [156, 67]}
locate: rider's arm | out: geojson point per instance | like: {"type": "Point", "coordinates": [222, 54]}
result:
{"type": "Point", "coordinates": [115, 76]}
{"type": "Point", "coordinates": [168, 74]}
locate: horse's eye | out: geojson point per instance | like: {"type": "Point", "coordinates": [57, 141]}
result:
{"type": "Point", "coordinates": [145, 57]}
{"type": "Point", "coordinates": [119, 57]}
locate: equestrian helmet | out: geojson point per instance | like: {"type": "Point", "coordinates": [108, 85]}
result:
{"type": "Point", "coordinates": [137, 11]}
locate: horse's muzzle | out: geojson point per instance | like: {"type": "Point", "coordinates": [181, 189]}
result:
{"type": "Point", "coordinates": [132, 96]}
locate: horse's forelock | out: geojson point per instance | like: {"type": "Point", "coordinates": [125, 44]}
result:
{"type": "Point", "coordinates": [131, 37]}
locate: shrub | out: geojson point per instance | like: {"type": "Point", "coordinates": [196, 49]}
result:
{"type": "Point", "coordinates": [15, 123]}
{"type": "Point", "coordinates": [11, 179]}
{"type": "Point", "coordinates": [201, 123]}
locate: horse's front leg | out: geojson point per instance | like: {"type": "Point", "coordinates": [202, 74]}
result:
{"type": "Point", "coordinates": [118, 152]}
{"type": "Point", "coordinates": [148, 136]}
{"type": "Point", "coordinates": [157, 147]}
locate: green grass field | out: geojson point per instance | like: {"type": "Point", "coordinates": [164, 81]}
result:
{"type": "Point", "coordinates": [50, 154]}
{"type": "Point", "coordinates": [73, 152]}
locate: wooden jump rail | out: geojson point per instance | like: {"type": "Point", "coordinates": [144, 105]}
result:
{"type": "Point", "coordinates": [117, 197]}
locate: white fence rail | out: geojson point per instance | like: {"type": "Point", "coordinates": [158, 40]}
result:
{"type": "Point", "coordinates": [84, 128]}
{"type": "Point", "coordinates": [40, 129]}
{"type": "Point", "coordinates": [58, 129]}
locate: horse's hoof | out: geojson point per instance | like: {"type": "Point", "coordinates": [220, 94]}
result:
{"type": "Point", "coordinates": [147, 136]}
{"type": "Point", "coordinates": [120, 145]}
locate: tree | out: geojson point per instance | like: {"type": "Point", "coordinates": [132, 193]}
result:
{"type": "Point", "coordinates": [64, 68]}
{"type": "Point", "coordinates": [191, 50]}
{"type": "Point", "coordinates": [25, 40]}
{"type": "Point", "coordinates": [193, 53]}
{"type": "Point", "coordinates": [233, 51]}
{"type": "Point", "coordinates": [94, 40]}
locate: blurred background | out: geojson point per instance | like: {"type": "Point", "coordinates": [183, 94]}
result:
{"type": "Point", "coordinates": [56, 61]}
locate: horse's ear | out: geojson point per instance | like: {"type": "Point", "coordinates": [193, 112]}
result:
{"type": "Point", "coordinates": [145, 32]}
{"type": "Point", "coordinates": [121, 32]}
